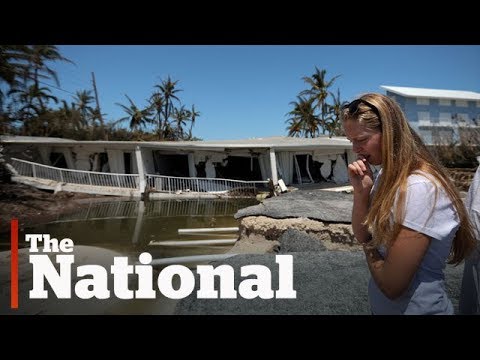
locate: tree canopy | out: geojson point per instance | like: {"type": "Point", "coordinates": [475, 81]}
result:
{"type": "Point", "coordinates": [27, 106]}
{"type": "Point", "coordinates": [313, 114]}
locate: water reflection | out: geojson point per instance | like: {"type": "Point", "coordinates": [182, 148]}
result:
{"type": "Point", "coordinates": [129, 226]}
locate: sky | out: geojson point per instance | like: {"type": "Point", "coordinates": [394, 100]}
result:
{"type": "Point", "coordinates": [245, 91]}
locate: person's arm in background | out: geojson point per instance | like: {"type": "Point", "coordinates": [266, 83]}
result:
{"type": "Point", "coordinates": [470, 291]}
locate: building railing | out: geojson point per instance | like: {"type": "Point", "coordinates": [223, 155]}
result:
{"type": "Point", "coordinates": [169, 184]}
{"type": "Point", "coordinates": [155, 183]}
{"type": "Point", "coordinates": [35, 170]}
{"type": "Point", "coordinates": [453, 123]}
{"type": "Point", "coordinates": [156, 208]}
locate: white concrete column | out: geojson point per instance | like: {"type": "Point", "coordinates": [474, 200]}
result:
{"type": "Point", "coordinates": [69, 158]}
{"type": "Point", "coordinates": [210, 169]}
{"type": "Point", "coordinates": [139, 222]}
{"type": "Point", "coordinates": [45, 154]}
{"type": "Point", "coordinates": [141, 171]}
{"type": "Point", "coordinates": [192, 171]}
{"type": "Point", "coordinates": [115, 161]}
{"type": "Point", "coordinates": [340, 171]}
{"type": "Point", "coordinates": [273, 167]}
{"type": "Point", "coordinates": [83, 161]}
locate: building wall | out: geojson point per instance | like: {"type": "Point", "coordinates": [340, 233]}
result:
{"type": "Point", "coordinates": [147, 156]}
{"type": "Point", "coordinates": [435, 118]}
{"type": "Point", "coordinates": [92, 157]}
{"type": "Point", "coordinates": [29, 152]}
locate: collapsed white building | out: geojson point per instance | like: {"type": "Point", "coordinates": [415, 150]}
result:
{"type": "Point", "coordinates": [130, 168]}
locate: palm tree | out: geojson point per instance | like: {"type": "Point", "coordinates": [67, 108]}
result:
{"type": "Point", "coordinates": [96, 115]}
{"type": "Point", "coordinates": [193, 116]}
{"type": "Point", "coordinates": [137, 117]}
{"type": "Point", "coordinates": [303, 120]}
{"type": "Point", "coordinates": [319, 92]}
{"type": "Point", "coordinates": [294, 128]}
{"type": "Point", "coordinates": [71, 117]}
{"type": "Point", "coordinates": [167, 92]}
{"type": "Point", "coordinates": [157, 103]}
{"type": "Point", "coordinates": [12, 66]}
{"type": "Point", "coordinates": [38, 56]}
{"type": "Point", "coordinates": [30, 94]}
{"type": "Point", "coordinates": [12, 63]}
{"type": "Point", "coordinates": [82, 100]}
{"type": "Point", "coordinates": [333, 124]}
{"type": "Point", "coordinates": [180, 115]}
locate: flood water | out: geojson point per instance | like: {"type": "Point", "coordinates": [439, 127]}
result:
{"type": "Point", "coordinates": [131, 227]}
{"type": "Point", "coordinates": [127, 228]}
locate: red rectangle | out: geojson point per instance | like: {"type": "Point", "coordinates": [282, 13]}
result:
{"type": "Point", "coordinates": [14, 264]}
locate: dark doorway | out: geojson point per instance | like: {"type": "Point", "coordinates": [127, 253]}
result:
{"type": "Point", "coordinates": [240, 168]}
{"type": "Point", "coordinates": [200, 167]}
{"type": "Point", "coordinates": [313, 166]}
{"type": "Point", "coordinates": [127, 161]}
{"type": "Point", "coordinates": [99, 162]}
{"type": "Point", "coordinates": [103, 160]}
{"type": "Point", "coordinates": [171, 164]}
{"type": "Point", "coordinates": [58, 160]}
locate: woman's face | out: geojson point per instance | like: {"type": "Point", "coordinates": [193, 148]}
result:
{"type": "Point", "coordinates": [367, 144]}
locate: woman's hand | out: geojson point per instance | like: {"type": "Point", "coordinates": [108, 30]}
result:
{"type": "Point", "coordinates": [361, 176]}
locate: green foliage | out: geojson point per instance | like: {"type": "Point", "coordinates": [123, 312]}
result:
{"type": "Point", "coordinates": [312, 113]}
{"type": "Point", "coordinates": [453, 156]}
{"type": "Point", "coordinates": [461, 153]}
{"type": "Point", "coordinates": [25, 101]}
{"type": "Point", "coordinates": [171, 121]}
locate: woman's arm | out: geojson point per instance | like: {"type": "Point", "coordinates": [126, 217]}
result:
{"type": "Point", "coordinates": [361, 178]}
{"type": "Point", "coordinates": [359, 214]}
{"type": "Point", "coordinates": [394, 274]}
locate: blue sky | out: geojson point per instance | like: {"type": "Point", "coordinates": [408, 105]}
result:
{"type": "Point", "coordinates": [244, 91]}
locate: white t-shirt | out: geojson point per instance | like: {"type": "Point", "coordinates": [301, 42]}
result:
{"type": "Point", "coordinates": [428, 210]}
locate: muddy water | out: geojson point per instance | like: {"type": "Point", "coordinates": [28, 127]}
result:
{"type": "Point", "coordinates": [124, 228]}
{"type": "Point", "coordinates": [130, 227]}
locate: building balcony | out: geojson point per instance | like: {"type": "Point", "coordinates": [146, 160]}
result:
{"type": "Point", "coordinates": [425, 124]}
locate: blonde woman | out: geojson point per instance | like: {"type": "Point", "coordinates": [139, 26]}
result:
{"type": "Point", "coordinates": [410, 219]}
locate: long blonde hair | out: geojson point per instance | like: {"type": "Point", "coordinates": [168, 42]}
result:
{"type": "Point", "coordinates": [403, 153]}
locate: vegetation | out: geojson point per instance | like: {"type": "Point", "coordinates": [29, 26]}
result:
{"type": "Point", "coordinates": [171, 122]}
{"type": "Point", "coordinates": [312, 113]}
{"type": "Point", "coordinates": [461, 148]}
{"type": "Point", "coordinates": [26, 99]}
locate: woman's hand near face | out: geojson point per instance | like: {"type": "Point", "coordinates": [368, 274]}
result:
{"type": "Point", "coordinates": [361, 176]}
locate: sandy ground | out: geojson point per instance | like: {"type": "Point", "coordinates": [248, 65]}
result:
{"type": "Point", "coordinates": [259, 234]}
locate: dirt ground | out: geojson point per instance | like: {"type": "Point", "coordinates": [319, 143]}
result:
{"type": "Point", "coordinates": [33, 206]}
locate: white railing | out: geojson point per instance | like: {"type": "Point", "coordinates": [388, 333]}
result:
{"type": "Point", "coordinates": [155, 209]}
{"type": "Point", "coordinates": [170, 184]}
{"type": "Point", "coordinates": [447, 122]}
{"type": "Point", "coordinates": [101, 211]}
{"type": "Point", "coordinates": [35, 170]}
{"type": "Point", "coordinates": [156, 183]}
{"type": "Point", "coordinates": [216, 207]}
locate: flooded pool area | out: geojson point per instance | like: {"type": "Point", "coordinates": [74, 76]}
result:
{"type": "Point", "coordinates": [103, 230]}
{"type": "Point", "coordinates": [129, 227]}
